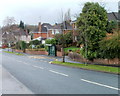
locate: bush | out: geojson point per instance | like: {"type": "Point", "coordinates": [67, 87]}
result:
{"type": "Point", "coordinates": [35, 42]}
{"type": "Point", "coordinates": [39, 46]}
{"type": "Point", "coordinates": [66, 39]}
{"type": "Point", "coordinates": [50, 41]}
{"type": "Point", "coordinates": [110, 48]}
{"type": "Point", "coordinates": [21, 45]}
{"type": "Point", "coordinates": [46, 48]}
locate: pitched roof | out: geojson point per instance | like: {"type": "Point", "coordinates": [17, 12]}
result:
{"type": "Point", "coordinates": [112, 16]}
{"type": "Point", "coordinates": [20, 32]}
{"type": "Point", "coordinates": [44, 27]}
{"type": "Point", "coordinates": [49, 26]}
{"type": "Point", "coordinates": [66, 26]}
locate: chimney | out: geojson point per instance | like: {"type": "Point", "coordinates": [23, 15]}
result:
{"type": "Point", "coordinates": [39, 27]}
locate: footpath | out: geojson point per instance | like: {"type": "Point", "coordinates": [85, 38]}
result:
{"type": "Point", "coordinates": [10, 85]}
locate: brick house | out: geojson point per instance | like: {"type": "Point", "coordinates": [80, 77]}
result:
{"type": "Point", "coordinates": [58, 29]}
{"type": "Point", "coordinates": [42, 31]}
{"type": "Point", "coordinates": [113, 16]}
{"type": "Point", "coordinates": [46, 30]}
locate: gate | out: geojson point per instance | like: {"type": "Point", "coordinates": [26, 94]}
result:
{"type": "Point", "coordinates": [52, 50]}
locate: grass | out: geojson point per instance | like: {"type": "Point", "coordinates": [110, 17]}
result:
{"type": "Point", "coordinates": [13, 53]}
{"type": "Point", "coordinates": [73, 48]}
{"type": "Point", "coordinates": [89, 66]}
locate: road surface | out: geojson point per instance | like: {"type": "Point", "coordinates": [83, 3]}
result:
{"type": "Point", "coordinates": [41, 77]}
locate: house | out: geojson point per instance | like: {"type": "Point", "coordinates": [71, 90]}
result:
{"type": "Point", "coordinates": [22, 34]}
{"type": "Point", "coordinates": [15, 36]}
{"type": "Point", "coordinates": [42, 31]}
{"type": "Point", "coordinates": [47, 31]}
{"type": "Point", "coordinates": [61, 28]}
{"type": "Point", "coordinates": [113, 16]}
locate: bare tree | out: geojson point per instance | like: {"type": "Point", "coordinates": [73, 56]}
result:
{"type": "Point", "coordinates": [7, 28]}
{"type": "Point", "coordinates": [9, 21]}
{"type": "Point", "coordinates": [64, 18]}
{"type": "Point", "coordinates": [67, 16]}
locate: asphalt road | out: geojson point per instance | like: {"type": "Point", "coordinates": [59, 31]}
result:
{"type": "Point", "coordinates": [41, 77]}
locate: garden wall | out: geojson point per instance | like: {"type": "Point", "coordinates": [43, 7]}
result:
{"type": "Point", "coordinates": [78, 57]}
{"type": "Point", "coordinates": [33, 52]}
{"type": "Point", "coordinates": [59, 53]}
{"type": "Point", "coordinates": [16, 50]}
{"type": "Point", "coordinates": [37, 52]}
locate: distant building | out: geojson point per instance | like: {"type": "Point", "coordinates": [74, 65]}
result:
{"type": "Point", "coordinates": [113, 16]}
{"type": "Point", "coordinates": [15, 36]}
{"type": "Point", "coordinates": [41, 32]}
{"type": "Point", "coordinates": [21, 34]}
{"type": "Point", "coordinates": [47, 31]}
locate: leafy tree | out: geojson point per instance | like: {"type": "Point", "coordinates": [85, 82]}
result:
{"type": "Point", "coordinates": [68, 38]}
{"type": "Point", "coordinates": [92, 24]}
{"type": "Point", "coordinates": [21, 25]}
{"type": "Point", "coordinates": [64, 39]}
{"type": "Point", "coordinates": [59, 39]}
{"type": "Point", "coordinates": [50, 41]}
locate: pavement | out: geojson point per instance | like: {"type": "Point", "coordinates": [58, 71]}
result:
{"type": "Point", "coordinates": [9, 84]}
{"type": "Point", "coordinates": [38, 75]}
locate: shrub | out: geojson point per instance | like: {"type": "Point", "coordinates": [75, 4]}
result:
{"type": "Point", "coordinates": [39, 46]}
{"type": "Point", "coordinates": [35, 42]}
{"type": "Point", "coordinates": [110, 48]}
{"type": "Point", "coordinates": [46, 48]}
{"type": "Point", "coordinates": [66, 39]}
{"type": "Point", "coordinates": [50, 41]}
{"type": "Point", "coordinates": [21, 45]}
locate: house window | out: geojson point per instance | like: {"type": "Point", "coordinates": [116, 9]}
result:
{"type": "Point", "coordinates": [53, 32]}
{"type": "Point", "coordinates": [56, 31]}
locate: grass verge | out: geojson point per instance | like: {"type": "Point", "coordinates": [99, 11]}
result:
{"type": "Point", "coordinates": [108, 69]}
{"type": "Point", "coordinates": [13, 53]}
{"type": "Point", "coordinates": [73, 48]}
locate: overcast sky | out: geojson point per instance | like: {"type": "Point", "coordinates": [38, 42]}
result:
{"type": "Point", "coordinates": [34, 11]}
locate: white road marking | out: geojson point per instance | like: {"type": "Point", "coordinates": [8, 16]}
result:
{"type": "Point", "coordinates": [19, 61]}
{"type": "Point", "coordinates": [59, 73]}
{"type": "Point", "coordinates": [23, 62]}
{"type": "Point", "coordinates": [100, 84]}
{"type": "Point", "coordinates": [26, 63]}
{"type": "Point", "coordinates": [38, 67]}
